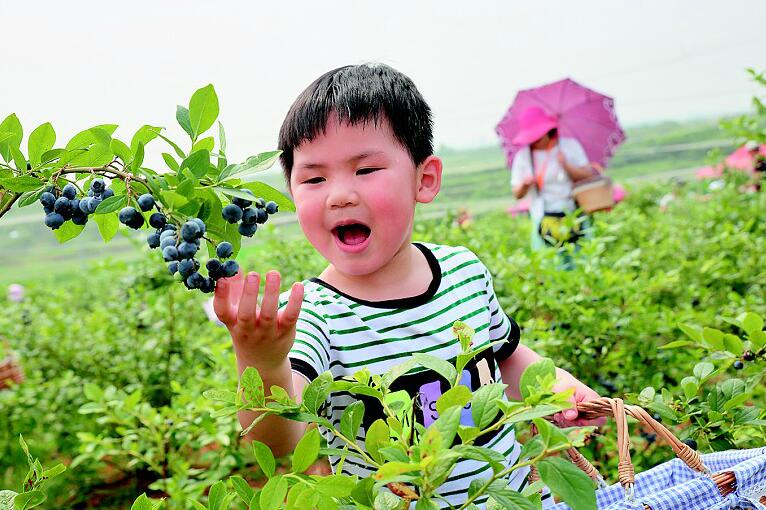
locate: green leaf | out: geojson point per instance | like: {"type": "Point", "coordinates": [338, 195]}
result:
{"type": "Point", "coordinates": [266, 192]}
{"type": "Point", "coordinates": [203, 110]}
{"type": "Point", "coordinates": [182, 116]}
{"type": "Point", "coordinates": [207, 143]}
{"type": "Point", "coordinates": [252, 384]}
{"type": "Point", "coordinates": [54, 471]}
{"type": "Point", "coordinates": [198, 162]}
{"type": "Point", "coordinates": [713, 338]}
{"type": "Point", "coordinates": [306, 451]}
{"type": "Point", "coordinates": [336, 486]}
{"type": "Point", "coordinates": [387, 501]}
{"type": "Point", "coordinates": [447, 425]}
{"type": "Point", "coordinates": [568, 482]}
{"type": "Point", "coordinates": [28, 500]}
{"type": "Point", "coordinates": [138, 157]}
{"type": "Point", "coordinates": [108, 225]}
{"type": "Point", "coordinates": [363, 493]}
{"type": "Point", "coordinates": [703, 370]}
{"type": "Point", "coordinates": [121, 150]}
{"type": "Point", "coordinates": [533, 374]}
{"type": "Point", "coordinates": [438, 365]}
{"type": "Point", "coordinates": [112, 204]}
{"type": "Point", "coordinates": [30, 197]}
{"type": "Point", "coordinates": [678, 343]}
{"type": "Point", "coordinates": [510, 499]}
{"type": "Point", "coordinates": [10, 125]}
{"type": "Point", "coordinates": [243, 489]}
{"type": "Point", "coordinates": [264, 457]}
{"type": "Point", "coordinates": [171, 162]}
{"type": "Point", "coordinates": [692, 332]}
{"type": "Point", "coordinates": [21, 184]}
{"type": "Point", "coordinates": [227, 396]}
{"type": "Point", "coordinates": [97, 134]}
{"type": "Point", "coordinates": [180, 153]}
{"type": "Point", "coordinates": [144, 135]}
{"type": "Point", "coordinates": [7, 497]}
{"type": "Point", "coordinates": [273, 493]}
{"type": "Point", "coordinates": [733, 344]}
{"type": "Point", "coordinates": [317, 392]}
{"type": "Point", "coordinates": [40, 141]}
{"type": "Point", "coordinates": [689, 386]}
{"type": "Point", "coordinates": [751, 323]}
{"type": "Point", "coordinates": [216, 496]}
{"type": "Point", "coordinates": [458, 396]}
{"type": "Point", "coordinates": [352, 419]}
{"type": "Point", "coordinates": [484, 407]}
{"type": "Point", "coordinates": [377, 437]}
{"type": "Point", "coordinates": [250, 166]}
{"type": "Point", "coordinates": [68, 231]}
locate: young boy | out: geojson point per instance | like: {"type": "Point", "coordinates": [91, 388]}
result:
{"type": "Point", "coordinates": [358, 157]}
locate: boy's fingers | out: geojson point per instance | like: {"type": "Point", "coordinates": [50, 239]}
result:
{"type": "Point", "coordinates": [221, 304]}
{"type": "Point", "coordinates": [236, 283]}
{"type": "Point", "coordinates": [268, 315]}
{"type": "Point", "coordinates": [247, 311]}
{"type": "Point", "coordinates": [290, 314]}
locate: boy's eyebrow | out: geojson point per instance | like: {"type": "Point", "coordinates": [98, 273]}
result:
{"type": "Point", "coordinates": [353, 159]}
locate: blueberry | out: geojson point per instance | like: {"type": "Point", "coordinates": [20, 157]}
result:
{"type": "Point", "coordinates": [249, 215]}
{"type": "Point", "coordinates": [214, 267]}
{"type": "Point", "coordinates": [261, 216]}
{"type": "Point", "coordinates": [47, 209]}
{"type": "Point", "coordinates": [167, 233]}
{"type": "Point", "coordinates": [107, 193]}
{"type": "Point", "coordinates": [691, 443]}
{"type": "Point", "coordinates": [189, 231]}
{"type": "Point", "coordinates": [173, 267]}
{"type": "Point", "coordinates": [169, 253]}
{"type": "Point", "coordinates": [127, 214]}
{"type": "Point", "coordinates": [157, 220]}
{"type": "Point", "coordinates": [260, 203]}
{"type": "Point", "coordinates": [738, 365]}
{"type": "Point", "coordinates": [170, 226]}
{"type": "Point", "coordinates": [748, 356]}
{"type": "Point", "coordinates": [74, 205]}
{"type": "Point", "coordinates": [85, 205]}
{"type": "Point", "coordinates": [146, 202]}
{"type": "Point", "coordinates": [186, 267]}
{"type": "Point", "coordinates": [97, 185]}
{"type": "Point", "coordinates": [153, 240]}
{"type": "Point", "coordinates": [224, 250]}
{"type": "Point", "coordinates": [54, 220]}
{"type": "Point", "coordinates": [137, 221]}
{"type": "Point", "coordinates": [90, 193]}
{"type": "Point", "coordinates": [79, 217]}
{"type": "Point", "coordinates": [241, 202]}
{"type": "Point", "coordinates": [230, 268]}
{"type": "Point", "coordinates": [29, 165]}
{"type": "Point", "coordinates": [232, 213]}
{"type": "Point", "coordinates": [195, 280]}
{"type": "Point", "coordinates": [247, 230]}
{"type": "Point", "coordinates": [93, 205]}
{"type": "Point", "coordinates": [187, 250]}
{"type": "Point", "coordinates": [201, 225]}
{"type": "Point", "coordinates": [47, 199]}
{"type": "Point", "coordinates": [207, 286]}
{"type": "Point", "coordinates": [167, 241]}
{"type": "Point", "coordinates": [61, 205]}
{"type": "Point", "coordinates": [69, 191]}
{"type": "Point", "coordinates": [272, 207]}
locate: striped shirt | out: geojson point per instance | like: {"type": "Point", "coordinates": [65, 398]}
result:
{"type": "Point", "coordinates": [343, 334]}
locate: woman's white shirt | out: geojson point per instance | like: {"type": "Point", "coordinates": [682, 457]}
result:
{"type": "Point", "coordinates": [556, 195]}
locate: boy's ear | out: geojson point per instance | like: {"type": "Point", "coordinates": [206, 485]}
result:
{"type": "Point", "coordinates": [429, 179]}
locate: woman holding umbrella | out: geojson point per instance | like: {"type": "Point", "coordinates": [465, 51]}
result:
{"type": "Point", "coordinates": [547, 165]}
{"type": "Point", "coordinates": [554, 136]}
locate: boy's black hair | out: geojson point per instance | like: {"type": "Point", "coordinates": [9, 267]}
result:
{"type": "Point", "coordinates": [359, 93]}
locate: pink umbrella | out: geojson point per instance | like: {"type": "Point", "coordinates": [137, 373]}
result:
{"type": "Point", "coordinates": [582, 114]}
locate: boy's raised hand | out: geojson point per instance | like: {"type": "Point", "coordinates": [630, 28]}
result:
{"type": "Point", "coordinates": [262, 334]}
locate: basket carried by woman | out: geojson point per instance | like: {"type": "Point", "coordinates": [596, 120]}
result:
{"type": "Point", "coordinates": [734, 479]}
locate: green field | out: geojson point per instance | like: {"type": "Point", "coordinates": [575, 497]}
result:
{"type": "Point", "coordinates": [473, 178]}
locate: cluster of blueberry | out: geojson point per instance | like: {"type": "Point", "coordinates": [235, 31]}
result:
{"type": "Point", "coordinates": [248, 213]}
{"type": "Point", "coordinates": [746, 356]}
{"type": "Point", "coordinates": [66, 206]}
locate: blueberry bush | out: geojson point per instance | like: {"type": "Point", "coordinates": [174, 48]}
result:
{"type": "Point", "coordinates": [132, 389]}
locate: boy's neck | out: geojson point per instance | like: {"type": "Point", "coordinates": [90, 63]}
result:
{"type": "Point", "coordinates": [407, 274]}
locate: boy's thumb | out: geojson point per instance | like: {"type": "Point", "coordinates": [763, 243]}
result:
{"type": "Point", "coordinates": [570, 414]}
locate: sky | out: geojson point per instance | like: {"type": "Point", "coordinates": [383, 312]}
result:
{"type": "Point", "coordinates": [82, 63]}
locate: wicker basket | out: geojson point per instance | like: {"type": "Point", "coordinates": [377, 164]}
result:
{"type": "Point", "coordinates": [11, 372]}
{"type": "Point", "coordinates": [594, 194]}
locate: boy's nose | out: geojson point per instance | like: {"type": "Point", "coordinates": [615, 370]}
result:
{"type": "Point", "coordinates": [342, 196]}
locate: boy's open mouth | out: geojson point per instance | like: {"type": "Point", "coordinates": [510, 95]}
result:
{"type": "Point", "coordinates": [352, 234]}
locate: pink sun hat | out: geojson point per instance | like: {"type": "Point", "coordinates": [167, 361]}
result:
{"type": "Point", "coordinates": [534, 123]}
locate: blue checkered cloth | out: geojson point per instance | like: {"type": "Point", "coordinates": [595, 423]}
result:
{"type": "Point", "coordinates": [673, 486]}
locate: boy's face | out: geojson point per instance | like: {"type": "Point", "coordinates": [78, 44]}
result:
{"type": "Point", "coordinates": [355, 188]}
